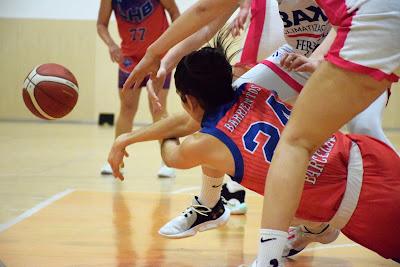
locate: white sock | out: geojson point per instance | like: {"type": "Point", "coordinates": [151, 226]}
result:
{"type": "Point", "coordinates": [210, 190]}
{"type": "Point", "coordinates": [271, 245]}
{"type": "Point", "coordinates": [233, 186]}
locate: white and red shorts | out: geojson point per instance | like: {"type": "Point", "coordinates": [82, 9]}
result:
{"type": "Point", "coordinates": [368, 36]}
{"type": "Point", "coordinates": [264, 33]}
{"type": "Point", "coordinates": [269, 74]}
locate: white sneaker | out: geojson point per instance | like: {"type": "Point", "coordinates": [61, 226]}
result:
{"type": "Point", "coordinates": [196, 218]}
{"type": "Point", "coordinates": [299, 237]}
{"type": "Point", "coordinates": [106, 169]}
{"type": "Point", "coordinates": [166, 172]}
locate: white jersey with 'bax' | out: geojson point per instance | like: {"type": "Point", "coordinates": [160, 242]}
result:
{"type": "Point", "coordinates": [305, 27]}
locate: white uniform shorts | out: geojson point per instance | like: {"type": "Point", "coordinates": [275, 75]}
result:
{"type": "Point", "coordinates": [368, 36]}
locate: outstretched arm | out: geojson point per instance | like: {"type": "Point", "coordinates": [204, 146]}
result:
{"type": "Point", "coordinates": [170, 127]}
{"type": "Point", "coordinates": [175, 54]}
{"type": "Point", "coordinates": [195, 41]}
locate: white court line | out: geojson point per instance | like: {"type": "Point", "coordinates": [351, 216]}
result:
{"type": "Point", "coordinates": [186, 189]}
{"type": "Point", "coordinates": [35, 209]}
{"type": "Point", "coordinates": [322, 247]}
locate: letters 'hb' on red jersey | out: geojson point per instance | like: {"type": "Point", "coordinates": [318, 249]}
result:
{"type": "Point", "coordinates": [140, 23]}
{"type": "Point", "coordinates": [251, 126]}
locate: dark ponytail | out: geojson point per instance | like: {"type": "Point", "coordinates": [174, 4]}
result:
{"type": "Point", "coordinates": [206, 74]}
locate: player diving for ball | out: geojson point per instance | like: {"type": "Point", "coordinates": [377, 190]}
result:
{"type": "Point", "coordinates": [287, 70]}
{"type": "Point", "coordinates": [352, 183]}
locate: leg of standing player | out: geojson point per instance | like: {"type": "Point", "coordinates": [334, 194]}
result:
{"type": "Point", "coordinates": [328, 99]}
{"type": "Point", "coordinates": [129, 102]}
{"type": "Point", "coordinates": [164, 171]}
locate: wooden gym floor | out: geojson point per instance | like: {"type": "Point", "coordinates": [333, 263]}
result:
{"type": "Point", "coordinates": [56, 210]}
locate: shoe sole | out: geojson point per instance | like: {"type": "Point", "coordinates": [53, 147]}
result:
{"type": "Point", "coordinates": [110, 173]}
{"type": "Point", "coordinates": [329, 240]}
{"type": "Point", "coordinates": [222, 220]}
{"type": "Point", "coordinates": [240, 210]}
{"type": "Point", "coordinates": [165, 176]}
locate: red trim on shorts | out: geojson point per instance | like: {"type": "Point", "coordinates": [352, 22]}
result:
{"type": "Point", "coordinates": [253, 38]}
{"type": "Point", "coordinates": [283, 75]}
{"type": "Point", "coordinates": [240, 64]}
{"type": "Point", "coordinates": [344, 22]}
{"type": "Point", "coordinates": [305, 35]}
{"type": "Point", "coordinates": [348, 65]}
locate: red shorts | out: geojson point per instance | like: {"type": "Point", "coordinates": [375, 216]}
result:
{"type": "Point", "coordinates": [128, 64]}
{"type": "Point", "coordinates": [375, 221]}
{"type": "Point", "coordinates": [368, 36]}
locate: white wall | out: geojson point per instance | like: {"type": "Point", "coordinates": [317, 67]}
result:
{"type": "Point", "coordinates": [59, 9]}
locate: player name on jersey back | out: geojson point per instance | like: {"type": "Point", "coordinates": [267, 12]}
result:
{"type": "Point", "coordinates": [319, 160]}
{"type": "Point", "coordinates": [243, 109]}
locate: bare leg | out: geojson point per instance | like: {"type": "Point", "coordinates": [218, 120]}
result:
{"type": "Point", "coordinates": [163, 95]}
{"type": "Point", "coordinates": [164, 171]}
{"type": "Point", "coordinates": [129, 101]}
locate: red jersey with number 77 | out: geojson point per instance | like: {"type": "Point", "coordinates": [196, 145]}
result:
{"type": "Point", "coordinates": [140, 23]}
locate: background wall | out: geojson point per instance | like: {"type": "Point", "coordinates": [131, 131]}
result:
{"type": "Point", "coordinates": [64, 32]}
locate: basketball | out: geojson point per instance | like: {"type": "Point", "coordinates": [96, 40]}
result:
{"type": "Point", "coordinates": [50, 91]}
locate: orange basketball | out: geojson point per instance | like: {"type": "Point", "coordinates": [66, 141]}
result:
{"type": "Point", "coordinates": [50, 91]}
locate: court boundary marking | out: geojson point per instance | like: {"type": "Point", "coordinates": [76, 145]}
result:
{"type": "Point", "coordinates": [28, 213]}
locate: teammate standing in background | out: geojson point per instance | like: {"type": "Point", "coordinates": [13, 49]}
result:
{"type": "Point", "coordinates": [140, 23]}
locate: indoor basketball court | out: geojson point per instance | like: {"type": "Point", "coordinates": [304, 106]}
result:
{"type": "Point", "coordinates": [57, 210]}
